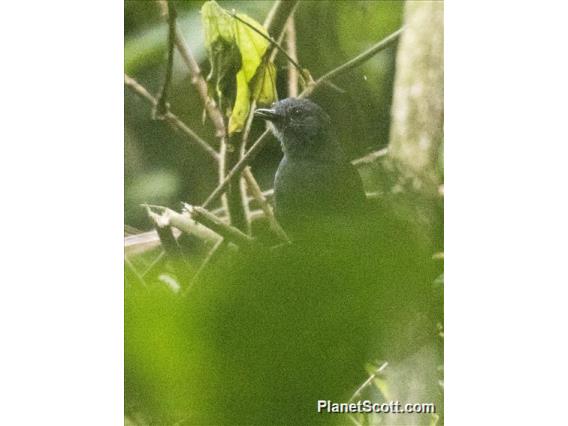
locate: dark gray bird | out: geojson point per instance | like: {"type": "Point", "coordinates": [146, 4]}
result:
{"type": "Point", "coordinates": [316, 189]}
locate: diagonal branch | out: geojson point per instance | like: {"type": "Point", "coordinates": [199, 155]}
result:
{"type": "Point", "coordinates": [130, 267]}
{"type": "Point", "coordinates": [197, 79]}
{"type": "Point", "coordinates": [256, 192]}
{"type": "Point", "coordinates": [165, 234]}
{"type": "Point", "coordinates": [210, 258]}
{"type": "Point", "coordinates": [208, 219]}
{"type": "Point", "coordinates": [371, 157]}
{"type": "Point", "coordinates": [355, 62]}
{"type": "Point", "coordinates": [162, 106]}
{"type": "Point", "coordinates": [276, 47]}
{"type": "Point", "coordinates": [278, 15]}
{"type": "Point", "coordinates": [275, 44]}
{"type": "Point", "coordinates": [239, 167]}
{"type": "Point", "coordinates": [170, 117]}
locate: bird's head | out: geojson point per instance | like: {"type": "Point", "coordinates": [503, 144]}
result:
{"type": "Point", "coordinates": [300, 125]}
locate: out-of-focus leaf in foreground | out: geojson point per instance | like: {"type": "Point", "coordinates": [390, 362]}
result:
{"type": "Point", "coordinates": [239, 69]}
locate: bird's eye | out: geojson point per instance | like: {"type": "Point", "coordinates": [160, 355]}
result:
{"type": "Point", "coordinates": [296, 112]}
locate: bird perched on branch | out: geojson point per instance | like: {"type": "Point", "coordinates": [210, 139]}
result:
{"type": "Point", "coordinates": [353, 287]}
{"type": "Point", "coordinates": [316, 189]}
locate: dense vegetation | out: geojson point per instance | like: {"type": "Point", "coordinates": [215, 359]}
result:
{"type": "Point", "coordinates": [247, 329]}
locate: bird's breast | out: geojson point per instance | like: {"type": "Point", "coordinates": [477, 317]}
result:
{"type": "Point", "coordinates": [308, 190]}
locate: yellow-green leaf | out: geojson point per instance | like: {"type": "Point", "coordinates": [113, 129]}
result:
{"type": "Point", "coordinates": [216, 23]}
{"type": "Point", "coordinates": [242, 105]}
{"type": "Point", "coordinates": [264, 84]}
{"type": "Point", "coordinates": [237, 55]}
{"type": "Point", "coordinates": [251, 44]}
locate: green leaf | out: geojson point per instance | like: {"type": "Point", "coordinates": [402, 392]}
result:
{"type": "Point", "coordinates": [264, 84]}
{"type": "Point", "coordinates": [217, 23]}
{"type": "Point", "coordinates": [242, 105]}
{"type": "Point", "coordinates": [251, 44]}
{"type": "Point", "coordinates": [239, 67]}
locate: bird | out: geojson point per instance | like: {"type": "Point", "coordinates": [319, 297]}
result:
{"type": "Point", "coordinates": [317, 191]}
{"type": "Point", "coordinates": [274, 331]}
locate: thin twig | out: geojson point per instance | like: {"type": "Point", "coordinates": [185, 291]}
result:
{"type": "Point", "coordinates": [140, 243]}
{"type": "Point", "coordinates": [235, 196]}
{"type": "Point", "coordinates": [185, 224]}
{"type": "Point", "coordinates": [292, 51]}
{"type": "Point", "coordinates": [242, 151]}
{"type": "Point", "coordinates": [370, 158]}
{"type": "Point", "coordinates": [166, 235]}
{"type": "Point", "coordinates": [201, 215]}
{"type": "Point", "coordinates": [278, 15]}
{"type": "Point", "coordinates": [157, 261]}
{"type": "Point", "coordinates": [239, 167]}
{"type": "Point", "coordinates": [264, 205]}
{"type": "Point", "coordinates": [211, 256]}
{"type": "Point", "coordinates": [170, 117]}
{"type": "Point", "coordinates": [211, 107]}
{"type": "Point", "coordinates": [162, 106]}
{"type": "Point", "coordinates": [306, 78]}
{"type": "Point", "coordinates": [369, 380]}
{"type": "Point", "coordinates": [227, 156]}
{"type": "Point", "coordinates": [275, 44]}
{"type": "Point", "coordinates": [133, 270]}
{"type": "Point", "coordinates": [198, 80]}
{"type": "Point", "coordinates": [355, 62]}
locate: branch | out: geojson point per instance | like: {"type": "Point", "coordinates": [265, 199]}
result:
{"type": "Point", "coordinates": [165, 234]}
{"type": "Point", "coordinates": [140, 243]}
{"type": "Point", "coordinates": [134, 272]}
{"type": "Point", "coordinates": [248, 157]}
{"type": "Point", "coordinates": [170, 117]}
{"type": "Point", "coordinates": [355, 62]}
{"type": "Point", "coordinates": [368, 381]}
{"type": "Point", "coordinates": [185, 224]}
{"type": "Point", "coordinates": [198, 80]}
{"type": "Point", "coordinates": [211, 256]}
{"type": "Point", "coordinates": [245, 160]}
{"type": "Point", "coordinates": [239, 167]}
{"type": "Point", "coordinates": [232, 151]}
{"type": "Point", "coordinates": [370, 158]}
{"type": "Point", "coordinates": [274, 44]}
{"type": "Point", "coordinates": [278, 15]}
{"type": "Point", "coordinates": [306, 78]}
{"type": "Point", "coordinates": [201, 215]}
{"type": "Point", "coordinates": [291, 46]}
{"type": "Point", "coordinates": [162, 106]}
{"type": "Point", "coordinates": [143, 241]}
{"type": "Point", "coordinates": [264, 205]}
{"type": "Point", "coordinates": [155, 263]}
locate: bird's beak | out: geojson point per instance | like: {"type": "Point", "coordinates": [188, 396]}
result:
{"type": "Point", "coordinates": [268, 114]}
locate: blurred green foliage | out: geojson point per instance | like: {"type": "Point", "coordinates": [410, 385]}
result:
{"type": "Point", "coordinates": [264, 335]}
